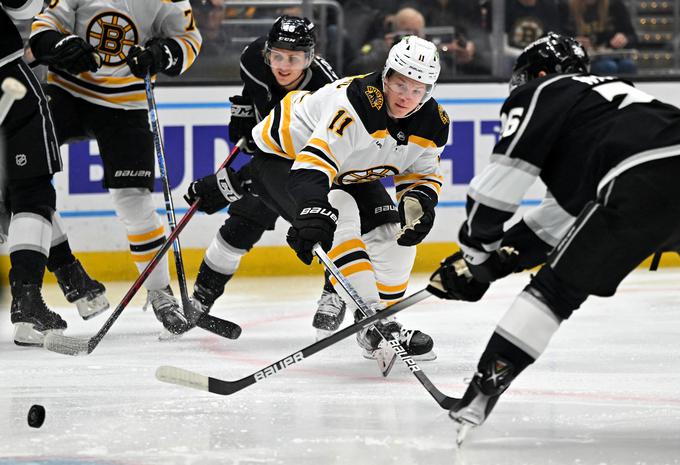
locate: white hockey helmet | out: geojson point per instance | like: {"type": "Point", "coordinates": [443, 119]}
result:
{"type": "Point", "coordinates": [417, 59]}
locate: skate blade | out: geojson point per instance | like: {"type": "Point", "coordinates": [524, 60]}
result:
{"type": "Point", "coordinates": [91, 308]}
{"type": "Point", "coordinates": [322, 333]}
{"type": "Point", "coordinates": [463, 431]}
{"type": "Point", "coordinates": [167, 336]}
{"type": "Point", "coordinates": [26, 336]}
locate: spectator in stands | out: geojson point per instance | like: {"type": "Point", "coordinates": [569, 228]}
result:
{"type": "Point", "coordinates": [528, 20]}
{"type": "Point", "coordinates": [407, 21]}
{"type": "Point", "coordinates": [467, 50]}
{"type": "Point", "coordinates": [605, 29]}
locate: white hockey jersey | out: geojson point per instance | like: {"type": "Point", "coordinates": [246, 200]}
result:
{"type": "Point", "coordinates": [113, 27]}
{"type": "Point", "coordinates": [343, 131]}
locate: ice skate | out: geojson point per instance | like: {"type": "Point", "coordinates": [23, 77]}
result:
{"type": "Point", "coordinates": [80, 289]}
{"type": "Point", "coordinates": [329, 314]}
{"type": "Point", "coordinates": [168, 311]}
{"type": "Point", "coordinates": [481, 396]}
{"type": "Point", "coordinates": [418, 345]}
{"type": "Point", "coordinates": [30, 316]}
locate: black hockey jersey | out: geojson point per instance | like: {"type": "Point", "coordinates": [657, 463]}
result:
{"type": "Point", "coordinates": [260, 84]}
{"type": "Point", "coordinates": [575, 132]}
{"type": "Point", "coordinates": [11, 45]}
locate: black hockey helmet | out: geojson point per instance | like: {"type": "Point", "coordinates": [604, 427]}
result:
{"type": "Point", "coordinates": [554, 54]}
{"type": "Point", "coordinates": [292, 33]}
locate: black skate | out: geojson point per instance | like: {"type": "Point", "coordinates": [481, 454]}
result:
{"type": "Point", "coordinates": [329, 314]}
{"type": "Point", "coordinates": [30, 316]}
{"type": "Point", "coordinates": [79, 288]}
{"type": "Point", "coordinates": [417, 344]}
{"type": "Point", "coordinates": [481, 395]}
{"type": "Point", "coordinates": [167, 310]}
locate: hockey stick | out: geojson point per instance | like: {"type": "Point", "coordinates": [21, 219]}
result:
{"type": "Point", "coordinates": [11, 90]}
{"type": "Point", "coordinates": [187, 378]}
{"type": "Point", "coordinates": [204, 320]}
{"type": "Point", "coordinates": [83, 346]}
{"type": "Point", "coordinates": [443, 400]}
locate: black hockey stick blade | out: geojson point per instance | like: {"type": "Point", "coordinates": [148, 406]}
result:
{"type": "Point", "coordinates": [182, 377]}
{"type": "Point", "coordinates": [224, 328]}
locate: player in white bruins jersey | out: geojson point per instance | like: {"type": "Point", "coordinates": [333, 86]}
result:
{"type": "Point", "coordinates": [98, 53]}
{"type": "Point", "coordinates": [350, 132]}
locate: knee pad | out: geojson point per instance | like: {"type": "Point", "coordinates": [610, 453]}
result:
{"type": "Point", "coordinates": [240, 233]}
{"type": "Point", "coordinates": [561, 298]}
{"type": "Point", "coordinates": [135, 208]}
{"type": "Point", "coordinates": [392, 262]}
{"type": "Point", "coordinates": [32, 195]}
{"type": "Point", "coordinates": [349, 222]}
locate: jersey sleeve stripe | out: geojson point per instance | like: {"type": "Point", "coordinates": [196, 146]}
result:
{"type": "Point", "coordinates": [311, 150]}
{"type": "Point", "coordinates": [267, 140]}
{"type": "Point", "coordinates": [189, 50]}
{"type": "Point", "coordinates": [44, 23]}
{"type": "Point", "coordinates": [380, 134]}
{"type": "Point", "coordinates": [323, 145]}
{"type": "Point", "coordinates": [285, 125]}
{"type": "Point", "coordinates": [316, 163]}
{"type": "Point", "coordinates": [421, 141]}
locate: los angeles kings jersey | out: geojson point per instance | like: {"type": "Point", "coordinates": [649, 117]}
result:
{"type": "Point", "coordinates": [113, 27]}
{"type": "Point", "coordinates": [343, 132]}
{"type": "Point", "coordinates": [575, 132]}
{"type": "Point", "coordinates": [259, 83]}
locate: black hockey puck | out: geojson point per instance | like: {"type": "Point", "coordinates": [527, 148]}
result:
{"type": "Point", "coordinates": [36, 416]}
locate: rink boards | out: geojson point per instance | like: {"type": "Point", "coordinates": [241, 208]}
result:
{"type": "Point", "coordinates": [195, 131]}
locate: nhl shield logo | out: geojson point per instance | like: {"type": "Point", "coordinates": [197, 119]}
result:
{"type": "Point", "coordinates": [21, 159]}
{"type": "Point", "coordinates": [375, 97]}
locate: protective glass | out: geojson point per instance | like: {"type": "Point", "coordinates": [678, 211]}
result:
{"type": "Point", "coordinates": [289, 59]}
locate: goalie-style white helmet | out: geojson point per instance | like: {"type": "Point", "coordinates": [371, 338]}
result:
{"type": "Point", "coordinates": [417, 59]}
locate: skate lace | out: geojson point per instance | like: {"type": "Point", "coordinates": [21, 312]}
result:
{"type": "Point", "coordinates": [330, 303]}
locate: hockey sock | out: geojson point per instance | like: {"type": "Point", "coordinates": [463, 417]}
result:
{"type": "Point", "coordinates": [145, 232]}
{"type": "Point", "coordinates": [60, 251]}
{"type": "Point", "coordinates": [392, 262]}
{"type": "Point", "coordinates": [29, 240]}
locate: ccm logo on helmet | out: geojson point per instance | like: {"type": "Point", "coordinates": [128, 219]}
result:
{"type": "Point", "coordinates": [320, 211]}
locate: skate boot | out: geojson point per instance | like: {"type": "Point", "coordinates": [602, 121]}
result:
{"type": "Point", "coordinates": [417, 344]}
{"type": "Point", "coordinates": [329, 314]}
{"type": "Point", "coordinates": [30, 316]}
{"type": "Point", "coordinates": [80, 289]}
{"type": "Point", "coordinates": [167, 310]}
{"type": "Point", "coordinates": [481, 395]}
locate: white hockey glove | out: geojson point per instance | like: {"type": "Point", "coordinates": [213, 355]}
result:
{"type": "Point", "coordinates": [416, 214]}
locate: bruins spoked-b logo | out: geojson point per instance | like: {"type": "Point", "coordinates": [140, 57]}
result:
{"type": "Point", "coordinates": [375, 97]}
{"type": "Point", "coordinates": [112, 34]}
{"type": "Point", "coordinates": [371, 174]}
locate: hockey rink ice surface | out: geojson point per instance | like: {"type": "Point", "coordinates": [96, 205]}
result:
{"type": "Point", "coordinates": [606, 392]}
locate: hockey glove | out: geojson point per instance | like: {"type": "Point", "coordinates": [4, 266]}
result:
{"type": "Point", "coordinates": [242, 122]}
{"type": "Point", "coordinates": [74, 55]}
{"type": "Point", "coordinates": [453, 281]}
{"type": "Point", "coordinates": [416, 213]}
{"type": "Point", "coordinates": [216, 191]}
{"type": "Point", "coordinates": [315, 223]}
{"type": "Point", "coordinates": [490, 266]}
{"type": "Point", "coordinates": [153, 58]}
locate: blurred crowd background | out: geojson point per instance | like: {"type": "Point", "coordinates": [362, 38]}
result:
{"type": "Point", "coordinates": [478, 39]}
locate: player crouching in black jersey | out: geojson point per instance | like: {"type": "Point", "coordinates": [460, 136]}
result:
{"type": "Point", "coordinates": [609, 155]}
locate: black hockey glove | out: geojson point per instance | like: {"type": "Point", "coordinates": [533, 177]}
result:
{"type": "Point", "coordinates": [74, 55]}
{"type": "Point", "coordinates": [155, 57]}
{"type": "Point", "coordinates": [242, 122]}
{"type": "Point", "coordinates": [497, 264]}
{"type": "Point", "coordinates": [314, 224]}
{"type": "Point", "coordinates": [416, 214]}
{"type": "Point", "coordinates": [216, 191]}
{"type": "Point", "coordinates": [453, 281]}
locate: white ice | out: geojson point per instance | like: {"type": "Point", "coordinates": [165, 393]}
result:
{"type": "Point", "coordinates": [607, 390]}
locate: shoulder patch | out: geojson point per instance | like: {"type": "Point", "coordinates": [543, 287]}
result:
{"type": "Point", "coordinates": [443, 115]}
{"type": "Point", "coordinates": [375, 97]}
